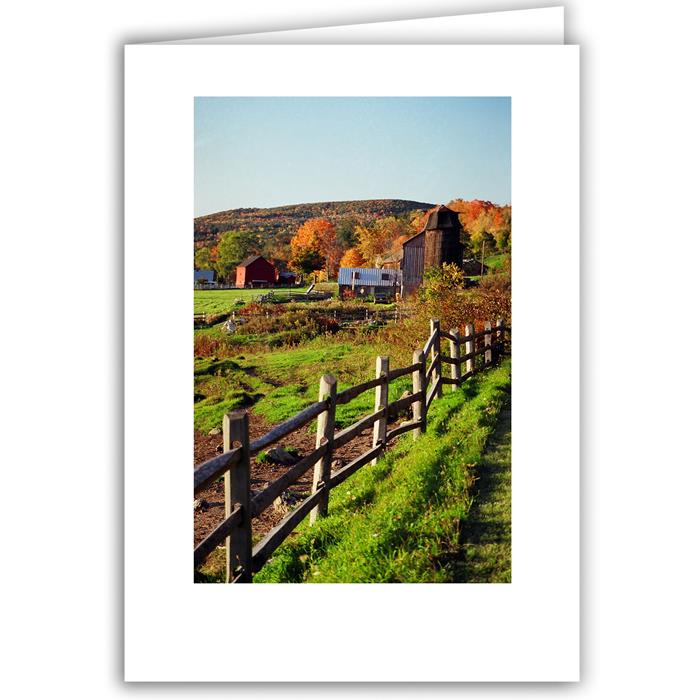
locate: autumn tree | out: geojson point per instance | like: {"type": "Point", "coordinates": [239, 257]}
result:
{"type": "Point", "coordinates": [500, 228]}
{"type": "Point", "coordinates": [480, 237]}
{"type": "Point", "coordinates": [276, 249]}
{"type": "Point", "coordinates": [383, 236]}
{"type": "Point", "coordinates": [484, 224]}
{"type": "Point", "coordinates": [352, 258]}
{"type": "Point", "coordinates": [417, 221]}
{"type": "Point", "coordinates": [316, 236]}
{"type": "Point", "coordinates": [470, 211]}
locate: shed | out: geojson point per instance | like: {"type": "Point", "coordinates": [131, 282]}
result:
{"type": "Point", "coordinates": [286, 278]}
{"type": "Point", "coordinates": [255, 271]}
{"type": "Point", "coordinates": [472, 267]}
{"type": "Point", "coordinates": [369, 281]}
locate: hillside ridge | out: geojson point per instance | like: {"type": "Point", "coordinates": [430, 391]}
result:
{"type": "Point", "coordinates": [287, 218]}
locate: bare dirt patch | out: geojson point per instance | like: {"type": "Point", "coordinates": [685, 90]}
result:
{"type": "Point", "coordinates": [263, 473]}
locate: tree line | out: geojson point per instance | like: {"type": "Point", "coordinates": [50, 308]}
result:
{"type": "Point", "coordinates": [321, 246]}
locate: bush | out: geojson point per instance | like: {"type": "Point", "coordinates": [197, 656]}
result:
{"type": "Point", "coordinates": [443, 296]}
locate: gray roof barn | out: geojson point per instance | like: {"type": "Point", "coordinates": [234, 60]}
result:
{"type": "Point", "coordinates": [368, 277]}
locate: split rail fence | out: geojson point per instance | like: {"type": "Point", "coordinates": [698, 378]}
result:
{"type": "Point", "coordinates": [481, 351]}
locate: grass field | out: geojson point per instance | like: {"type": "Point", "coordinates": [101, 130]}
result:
{"type": "Point", "coordinates": [219, 301]}
{"type": "Point", "coordinates": [495, 262]}
{"type": "Point", "coordinates": [419, 514]}
{"type": "Point", "coordinates": [280, 383]}
{"type": "Point", "coordinates": [409, 517]}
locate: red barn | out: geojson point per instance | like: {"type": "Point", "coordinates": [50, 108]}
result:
{"type": "Point", "coordinates": [255, 271]}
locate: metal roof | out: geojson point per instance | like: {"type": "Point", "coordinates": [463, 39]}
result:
{"type": "Point", "coordinates": [369, 276]}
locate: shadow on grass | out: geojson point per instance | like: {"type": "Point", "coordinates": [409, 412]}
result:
{"type": "Point", "coordinates": [293, 562]}
{"type": "Point", "coordinates": [485, 534]}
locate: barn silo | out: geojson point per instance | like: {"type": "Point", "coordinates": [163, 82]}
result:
{"type": "Point", "coordinates": [437, 243]}
{"type": "Point", "coordinates": [442, 244]}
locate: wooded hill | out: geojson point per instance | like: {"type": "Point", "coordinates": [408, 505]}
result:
{"type": "Point", "coordinates": [283, 222]}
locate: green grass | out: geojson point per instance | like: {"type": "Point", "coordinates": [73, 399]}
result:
{"type": "Point", "coordinates": [408, 518]}
{"type": "Point", "coordinates": [487, 537]}
{"type": "Point", "coordinates": [495, 262]}
{"type": "Point", "coordinates": [280, 383]}
{"type": "Point", "coordinates": [219, 301]}
{"type": "Point", "coordinates": [220, 386]}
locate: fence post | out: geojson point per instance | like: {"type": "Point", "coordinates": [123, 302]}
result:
{"type": "Point", "coordinates": [419, 386]}
{"type": "Point", "coordinates": [325, 429]}
{"type": "Point", "coordinates": [488, 358]}
{"type": "Point", "coordinates": [381, 400]}
{"type": "Point", "coordinates": [454, 354]}
{"type": "Point", "coordinates": [239, 544]}
{"type": "Point", "coordinates": [469, 347]}
{"type": "Point", "coordinates": [435, 350]}
{"type": "Point", "coordinates": [499, 338]}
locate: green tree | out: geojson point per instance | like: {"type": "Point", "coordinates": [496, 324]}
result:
{"type": "Point", "coordinates": [203, 259]}
{"type": "Point", "coordinates": [233, 247]}
{"type": "Point", "coordinates": [345, 232]}
{"type": "Point", "coordinates": [480, 236]}
{"type": "Point", "coordinates": [307, 260]}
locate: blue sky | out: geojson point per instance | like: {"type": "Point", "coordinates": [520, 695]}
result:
{"type": "Point", "coordinates": [271, 151]}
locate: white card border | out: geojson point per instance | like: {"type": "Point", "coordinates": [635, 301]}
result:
{"type": "Point", "coordinates": [527, 630]}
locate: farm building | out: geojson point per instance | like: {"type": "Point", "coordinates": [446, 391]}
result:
{"type": "Point", "coordinates": [438, 243]}
{"type": "Point", "coordinates": [472, 267]}
{"type": "Point", "coordinates": [203, 278]}
{"type": "Point", "coordinates": [286, 278]}
{"type": "Point", "coordinates": [255, 271]}
{"type": "Point", "coordinates": [392, 261]}
{"type": "Point", "coordinates": [366, 281]}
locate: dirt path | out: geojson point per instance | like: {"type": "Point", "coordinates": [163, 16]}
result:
{"type": "Point", "coordinates": [486, 535]}
{"type": "Point", "coordinates": [208, 446]}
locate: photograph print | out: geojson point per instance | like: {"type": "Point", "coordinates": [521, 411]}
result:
{"type": "Point", "coordinates": [352, 348]}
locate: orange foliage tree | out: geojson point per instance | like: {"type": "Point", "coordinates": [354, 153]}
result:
{"type": "Point", "coordinates": [352, 258]}
{"type": "Point", "coordinates": [381, 237]}
{"type": "Point", "coordinates": [484, 223]}
{"type": "Point", "coordinates": [317, 236]}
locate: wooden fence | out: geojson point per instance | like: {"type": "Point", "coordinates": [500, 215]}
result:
{"type": "Point", "coordinates": [468, 354]}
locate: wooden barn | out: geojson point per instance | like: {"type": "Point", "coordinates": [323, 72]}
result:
{"type": "Point", "coordinates": [438, 243]}
{"type": "Point", "coordinates": [255, 271]}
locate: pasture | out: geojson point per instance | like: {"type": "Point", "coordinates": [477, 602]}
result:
{"type": "Point", "coordinates": [279, 383]}
{"type": "Point", "coordinates": [425, 491]}
{"type": "Point", "coordinates": [220, 301]}
{"type": "Point", "coordinates": [430, 492]}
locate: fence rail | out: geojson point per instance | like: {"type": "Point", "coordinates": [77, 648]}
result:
{"type": "Point", "coordinates": [242, 559]}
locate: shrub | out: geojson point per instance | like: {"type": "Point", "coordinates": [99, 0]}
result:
{"type": "Point", "coordinates": [443, 296]}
